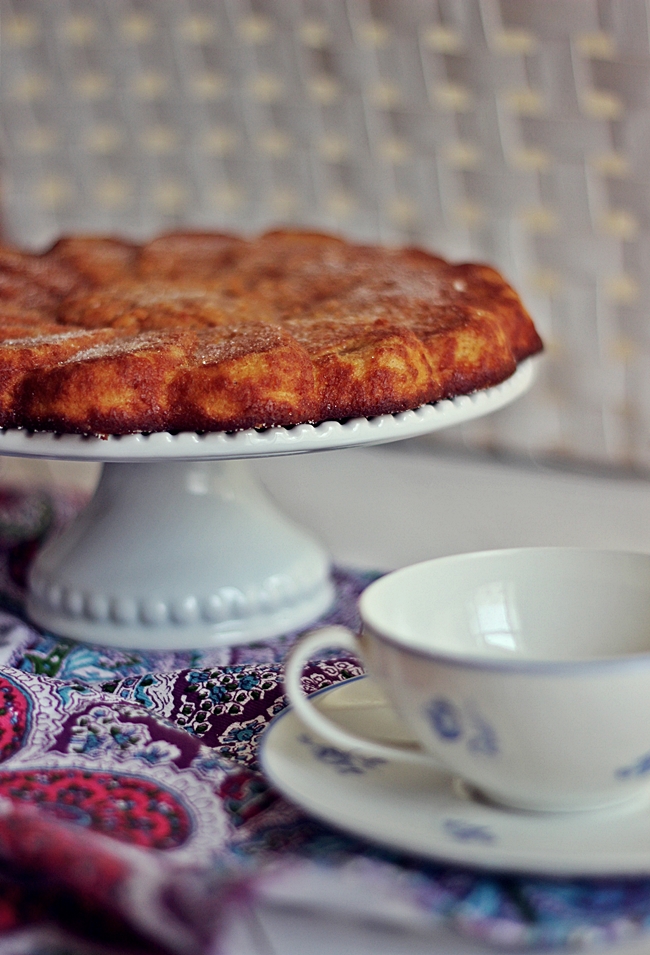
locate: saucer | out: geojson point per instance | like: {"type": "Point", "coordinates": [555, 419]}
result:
{"type": "Point", "coordinates": [429, 813]}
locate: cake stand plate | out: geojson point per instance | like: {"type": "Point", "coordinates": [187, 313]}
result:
{"type": "Point", "coordinates": [180, 548]}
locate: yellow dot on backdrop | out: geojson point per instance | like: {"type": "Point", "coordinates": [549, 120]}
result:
{"type": "Point", "coordinates": [228, 197]}
{"type": "Point", "coordinates": [266, 87]}
{"type": "Point", "coordinates": [113, 192]}
{"type": "Point", "coordinates": [103, 139]}
{"type": "Point", "coordinates": [453, 98]}
{"type": "Point", "coordinates": [159, 139]}
{"type": "Point", "coordinates": [544, 280]}
{"type": "Point", "coordinates": [274, 143]}
{"type": "Point", "coordinates": [256, 29]}
{"type": "Point", "coordinates": [138, 27]}
{"type": "Point", "coordinates": [601, 104]}
{"type": "Point", "coordinates": [514, 42]}
{"type": "Point", "coordinates": [150, 85]}
{"type": "Point", "coordinates": [629, 410]}
{"type": "Point", "coordinates": [525, 101]}
{"type": "Point", "coordinates": [198, 29]}
{"type": "Point", "coordinates": [92, 86]}
{"type": "Point", "coordinates": [21, 30]}
{"type": "Point", "coordinates": [403, 211]}
{"type": "Point", "coordinates": [53, 192]}
{"type": "Point", "coordinates": [395, 150]}
{"type": "Point", "coordinates": [611, 164]}
{"type": "Point", "coordinates": [340, 203]}
{"type": "Point", "coordinates": [334, 147]}
{"type": "Point", "coordinates": [40, 139]}
{"type": "Point", "coordinates": [169, 196]}
{"type": "Point", "coordinates": [619, 223]}
{"type": "Point", "coordinates": [470, 214]}
{"type": "Point", "coordinates": [375, 33]}
{"type": "Point", "coordinates": [539, 219]}
{"type": "Point", "coordinates": [462, 155]}
{"type": "Point", "coordinates": [622, 289]}
{"type": "Point", "coordinates": [385, 94]}
{"type": "Point", "coordinates": [220, 140]}
{"type": "Point", "coordinates": [622, 349]}
{"type": "Point", "coordinates": [531, 159]}
{"type": "Point", "coordinates": [30, 86]}
{"type": "Point", "coordinates": [323, 88]}
{"type": "Point", "coordinates": [209, 85]}
{"type": "Point", "coordinates": [598, 45]}
{"type": "Point", "coordinates": [442, 39]}
{"type": "Point", "coordinates": [315, 33]}
{"type": "Point", "coordinates": [80, 30]}
{"type": "Point", "coordinates": [283, 201]}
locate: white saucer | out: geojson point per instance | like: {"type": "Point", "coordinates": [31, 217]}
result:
{"type": "Point", "coordinates": [429, 813]}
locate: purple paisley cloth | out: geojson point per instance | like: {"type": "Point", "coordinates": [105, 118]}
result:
{"type": "Point", "coordinates": [133, 814]}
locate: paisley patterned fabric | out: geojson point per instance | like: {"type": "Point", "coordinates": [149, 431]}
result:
{"type": "Point", "coordinates": [133, 813]}
{"type": "Point", "coordinates": [131, 808]}
{"type": "Point", "coordinates": [15, 717]}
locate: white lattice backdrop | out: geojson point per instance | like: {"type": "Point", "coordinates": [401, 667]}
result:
{"type": "Point", "coordinates": [516, 131]}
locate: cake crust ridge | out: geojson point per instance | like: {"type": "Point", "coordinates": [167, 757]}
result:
{"type": "Point", "coordinates": [213, 332]}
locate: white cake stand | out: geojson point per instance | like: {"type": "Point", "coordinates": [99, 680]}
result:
{"type": "Point", "coordinates": [180, 548]}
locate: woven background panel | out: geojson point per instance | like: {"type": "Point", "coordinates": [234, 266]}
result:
{"type": "Point", "coordinates": [513, 131]}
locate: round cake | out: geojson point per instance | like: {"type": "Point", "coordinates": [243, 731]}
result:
{"type": "Point", "coordinates": [210, 332]}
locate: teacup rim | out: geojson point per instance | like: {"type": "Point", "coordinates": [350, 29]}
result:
{"type": "Point", "coordinates": [529, 666]}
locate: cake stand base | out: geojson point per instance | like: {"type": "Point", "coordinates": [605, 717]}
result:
{"type": "Point", "coordinates": [179, 555]}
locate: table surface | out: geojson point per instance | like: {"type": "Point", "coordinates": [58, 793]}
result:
{"type": "Point", "coordinates": [387, 507]}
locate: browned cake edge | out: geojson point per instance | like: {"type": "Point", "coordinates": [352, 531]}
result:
{"type": "Point", "coordinates": [379, 348]}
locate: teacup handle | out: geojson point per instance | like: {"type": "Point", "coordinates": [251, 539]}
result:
{"type": "Point", "coordinates": [339, 637]}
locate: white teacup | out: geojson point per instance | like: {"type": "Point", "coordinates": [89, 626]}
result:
{"type": "Point", "coordinates": [525, 672]}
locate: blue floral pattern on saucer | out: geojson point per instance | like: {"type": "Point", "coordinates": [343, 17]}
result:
{"type": "Point", "coordinates": [339, 759]}
{"type": "Point", "coordinates": [463, 831]}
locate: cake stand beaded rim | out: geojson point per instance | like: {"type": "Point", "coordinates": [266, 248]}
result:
{"type": "Point", "coordinates": [302, 438]}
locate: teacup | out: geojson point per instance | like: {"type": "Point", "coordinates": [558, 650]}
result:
{"type": "Point", "coordinates": [524, 672]}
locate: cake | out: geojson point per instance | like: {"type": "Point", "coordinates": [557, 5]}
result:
{"type": "Point", "coordinates": [211, 332]}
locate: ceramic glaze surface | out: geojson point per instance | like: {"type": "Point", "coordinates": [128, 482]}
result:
{"type": "Point", "coordinates": [422, 810]}
{"type": "Point", "coordinates": [527, 672]}
{"type": "Point", "coordinates": [549, 604]}
{"type": "Point", "coordinates": [176, 555]}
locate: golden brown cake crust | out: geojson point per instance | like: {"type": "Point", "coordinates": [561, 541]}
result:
{"type": "Point", "coordinates": [211, 332]}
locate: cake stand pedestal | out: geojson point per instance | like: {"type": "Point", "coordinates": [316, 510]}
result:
{"type": "Point", "coordinates": [180, 548]}
{"type": "Point", "coordinates": [179, 552]}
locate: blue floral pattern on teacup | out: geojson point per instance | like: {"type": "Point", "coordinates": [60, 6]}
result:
{"type": "Point", "coordinates": [339, 759]}
{"type": "Point", "coordinates": [483, 738]}
{"type": "Point", "coordinates": [452, 724]}
{"type": "Point", "coordinates": [445, 719]}
{"type": "Point", "coordinates": [639, 768]}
